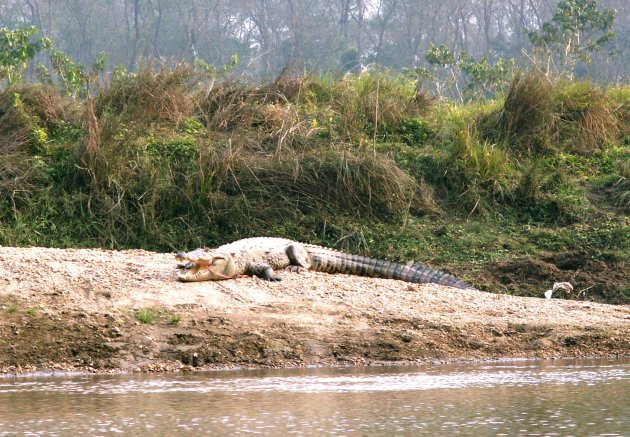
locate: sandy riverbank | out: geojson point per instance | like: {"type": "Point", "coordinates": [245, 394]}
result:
{"type": "Point", "coordinates": [77, 309]}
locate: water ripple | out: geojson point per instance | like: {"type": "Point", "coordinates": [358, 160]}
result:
{"type": "Point", "coordinates": [527, 398]}
{"type": "Point", "coordinates": [416, 380]}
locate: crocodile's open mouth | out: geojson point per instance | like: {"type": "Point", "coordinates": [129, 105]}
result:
{"type": "Point", "coordinates": [193, 272]}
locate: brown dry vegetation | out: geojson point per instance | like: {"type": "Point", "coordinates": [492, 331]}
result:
{"type": "Point", "coordinates": [541, 113]}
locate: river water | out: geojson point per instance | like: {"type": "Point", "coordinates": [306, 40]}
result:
{"type": "Point", "coordinates": [558, 398]}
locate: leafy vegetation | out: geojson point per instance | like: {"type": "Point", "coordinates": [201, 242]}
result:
{"type": "Point", "coordinates": [512, 192]}
{"type": "Point", "coordinates": [578, 29]}
{"type": "Point", "coordinates": [17, 48]}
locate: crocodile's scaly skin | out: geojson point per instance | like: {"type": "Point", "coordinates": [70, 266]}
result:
{"type": "Point", "coordinates": [261, 256]}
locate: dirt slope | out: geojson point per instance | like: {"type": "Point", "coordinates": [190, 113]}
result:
{"type": "Point", "coordinates": [77, 309]}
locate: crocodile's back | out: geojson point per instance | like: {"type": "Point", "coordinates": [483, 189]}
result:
{"type": "Point", "coordinates": [278, 253]}
{"type": "Point", "coordinates": [256, 243]}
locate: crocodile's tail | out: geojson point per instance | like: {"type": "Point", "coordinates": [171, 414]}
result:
{"type": "Point", "coordinates": [330, 261]}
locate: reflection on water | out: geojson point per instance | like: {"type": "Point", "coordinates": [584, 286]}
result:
{"type": "Point", "coordinates": [515, 398]}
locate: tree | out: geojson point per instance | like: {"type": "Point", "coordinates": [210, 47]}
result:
{"type": "Point", "coordinates": [17, 48]}
{"type": "Point", "coordinates": [577, 30]}
{"type": "Point", "coordinates": [462, 76]}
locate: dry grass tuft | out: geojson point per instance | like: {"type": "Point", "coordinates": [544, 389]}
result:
{"type": "Point", "coordinates": [584, 120]}
{"type": "Point", "coordinates": [527, 109]}
{"type": "Point", "coordinates": [540, 114]}
{"type": "Point", "coordinates": [333, 181]}
{"type": "Point", "coordinates": [91, 139]}
{"type": "Point", "coordinates": [163, 96]}
{"type": "Point", "coordinates": [375, 101]}
{"type": "Point", "coordinates": [268, 115]}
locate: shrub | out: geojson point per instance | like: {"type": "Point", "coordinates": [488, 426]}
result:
{"type": "Point", "coordinates": [527, 110]}
{"type": "Point", "coordinates": [29, 115]}
{"type": "Point", "coordinates": [542, 115]}
{"type": "Point", "coordinates": [370, 103]}
{"type": "Point", "coordinates": [31, 118]}
{"type": "Point", "coordinates": [147, 97]}
{"type": "Point", "coordinates": [584, 121]}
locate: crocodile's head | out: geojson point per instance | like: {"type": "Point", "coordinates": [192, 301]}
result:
{"type": "Point", "coordinates": [206, 265]}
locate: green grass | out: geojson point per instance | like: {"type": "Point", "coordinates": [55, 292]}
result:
{"type": "Point", "coordinates": [147, 315]}
{"type": "Point", "coordinates": [363, 163]}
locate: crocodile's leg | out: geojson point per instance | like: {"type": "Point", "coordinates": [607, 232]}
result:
{"type": "Point", "coordinates": [263, 271]}
{"type": "Point", "coordinates": [300, 259]}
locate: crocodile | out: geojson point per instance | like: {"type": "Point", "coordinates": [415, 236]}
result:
{"type": "Point", "coordinates": [260, 256]}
